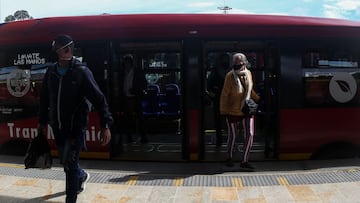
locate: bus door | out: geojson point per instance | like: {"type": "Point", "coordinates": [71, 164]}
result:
{"type": "Point", "coordinates": [262, 63]}
{"type": "Point", "coordinates": [156, 133]}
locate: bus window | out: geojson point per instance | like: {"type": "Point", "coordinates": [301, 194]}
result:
{"type": "Point", "coordinates": [94, 56]}
{"type": "Point", "coordinates": [21, 73]}
{"type": "Point", "coordinates": [331, 76]}
{"type": "Point", "coordinates": [218, 64]}
{"type": "Point", "coordinates": [162, 68]}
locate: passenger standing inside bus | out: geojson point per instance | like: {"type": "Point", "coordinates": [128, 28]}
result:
{"type": "Point", "coordinates": [214, 87]}
{"type": "Point", "coordinates": [133, 88]}
{"type": "Point", "coordinates": [68, 87]}
{"type": "Point", "coordinates": [237, 88]}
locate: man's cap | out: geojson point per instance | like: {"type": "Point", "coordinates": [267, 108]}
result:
{"type": "Point", "coordinates": [61, 41]}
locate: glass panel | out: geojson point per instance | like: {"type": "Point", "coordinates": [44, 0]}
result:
{"type": "Point", "coordinates": [337, 87]}
{"type": "Point", "coordinates": [21, 73]}
{"type": "Point", "coordinates": [156, 132]}
{"type": "Point", "coordinates": [331, 75]}
{"type": "Point", "coordinates": [218, 64]}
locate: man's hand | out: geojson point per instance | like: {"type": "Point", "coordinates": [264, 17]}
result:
{"type": "Point", "coordinates": [105, 136]}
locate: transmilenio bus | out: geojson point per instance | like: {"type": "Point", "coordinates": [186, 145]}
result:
{"type": "Point", "coordinates": [306, 71]}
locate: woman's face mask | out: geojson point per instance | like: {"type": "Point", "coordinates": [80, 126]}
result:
{"type": "Point", "coordinates": [237, 67]}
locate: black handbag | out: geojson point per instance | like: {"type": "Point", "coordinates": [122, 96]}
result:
{"type": "Point", "coordinates": [250, 107]}
{"type": "Point", "coordinates": [38, 153]}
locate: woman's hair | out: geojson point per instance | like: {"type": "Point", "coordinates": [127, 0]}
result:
{"type": "Point", "coordinates": [241, 57]}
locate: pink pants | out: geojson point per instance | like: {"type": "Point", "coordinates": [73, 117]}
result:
{"type": "Point", "coordinates": [248, 126]}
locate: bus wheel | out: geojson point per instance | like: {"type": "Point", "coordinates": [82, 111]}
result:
{"type": "Point", "coordinates": [338, 150]}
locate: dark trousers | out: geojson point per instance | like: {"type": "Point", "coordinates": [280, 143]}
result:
{"type": "Point", "coordinates": [69, 146]}
{"type": "Point", "coordinates": [133, 117]}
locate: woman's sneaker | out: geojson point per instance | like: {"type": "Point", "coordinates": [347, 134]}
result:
{"type": "Point", "coordinates": [246, 165]}
{"type": "Point", "coordinates": [83, 182]}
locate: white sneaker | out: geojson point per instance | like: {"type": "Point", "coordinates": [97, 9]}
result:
{"type": "Point", "coordinates": [83, 182]}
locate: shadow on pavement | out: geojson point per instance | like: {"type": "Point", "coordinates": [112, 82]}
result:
{"type": "Point", "coordinates": [44, 198]}
{"type": "Point", "coordinates": [200, 168]}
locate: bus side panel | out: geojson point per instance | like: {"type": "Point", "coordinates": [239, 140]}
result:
{"type": "Point", "coordinates": [193, 98]}
{"type": "Point", "coordinates": [26, 129]}
{"type": "Point", "coordinates": [93, 137]}
{"type": "Point", "coordinates": [303, 131]}
{"type": "Point", "coordinates": [93, 148]}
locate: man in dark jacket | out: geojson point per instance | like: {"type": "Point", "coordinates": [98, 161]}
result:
{"type": "Point", "coordinates": [133, 85]}
{"type": "Point", "coordinates": [68, 88]}
{"type": "Point", "coordinates": [215, 84]}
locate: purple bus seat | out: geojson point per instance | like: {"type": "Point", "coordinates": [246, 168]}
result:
{"type": "Point", "coordinates": [170, 105]}
{"type": "Point", "coordinates": [151, 101]}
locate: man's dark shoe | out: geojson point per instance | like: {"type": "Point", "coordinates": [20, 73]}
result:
{"type": "Point", "coordinates": [229, 163]}
{"type": "Point", "coordinates": [246, 165]}
{"type": "Point", "coordinates": [83, 182]}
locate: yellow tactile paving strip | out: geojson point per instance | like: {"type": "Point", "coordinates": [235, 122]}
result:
{"type": "Point", "coordinates": [282, 181]}
{"type": "Point", "coordinates": [11, 165]}
{"type": "Point", "coordinates": [178, 181]}
{"type": "Point", "coordinates": [18, 189]}
{"type": "Point", "coordinates": [132, 180]}
{"type": "Point", "coordinates": [237, 180]}
{"type": "Point", "coordinates": [34, 185]}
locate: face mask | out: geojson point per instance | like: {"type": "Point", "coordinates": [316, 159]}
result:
{"type": "Point", "coordinates": [237, 67]}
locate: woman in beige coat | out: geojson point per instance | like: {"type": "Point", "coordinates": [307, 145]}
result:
{"type": "Point", "coordinates": [237, 88]}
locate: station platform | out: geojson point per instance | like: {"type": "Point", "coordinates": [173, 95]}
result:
{"type": "Point", "coordinates": [130, 181]}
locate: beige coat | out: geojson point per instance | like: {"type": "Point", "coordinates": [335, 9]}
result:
{"type": "Point", "coordinates": [232, 96]}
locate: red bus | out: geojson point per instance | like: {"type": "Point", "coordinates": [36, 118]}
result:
{"type": "Point", "coordinates": [306, 71]}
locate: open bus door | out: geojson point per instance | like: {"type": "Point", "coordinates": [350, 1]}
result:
{"type": "Point", "coordinates": [262, 59]}
{"type": "Point", "coordinates": [161, 104]}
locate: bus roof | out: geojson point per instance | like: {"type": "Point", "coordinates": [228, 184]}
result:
{"type": "Point", "coordinates": [166, 26]}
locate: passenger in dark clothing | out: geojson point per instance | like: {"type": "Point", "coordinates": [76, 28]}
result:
{"type": "Point", "coordinates": [132, 86]}
{"type": "Point", "coordinates": [214, 86]}
{"type": "Point", "coordinates": [67, 89]}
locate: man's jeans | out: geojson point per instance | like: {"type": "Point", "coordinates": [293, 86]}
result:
{"type": "Point", "coordinates": [69, 147]}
